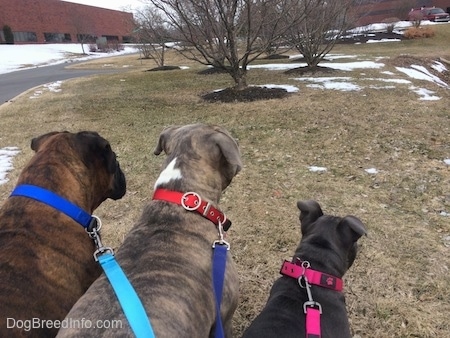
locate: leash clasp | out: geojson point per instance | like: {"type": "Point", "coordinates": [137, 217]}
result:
{"type": "Point", "coordinates": [221, 241]}
{"type": "Point", "coordinates": [303, 282]}
{"type": "Point", "coordinates": [94, 232]}
{"type": "Point", "coordinates": [312, 305]}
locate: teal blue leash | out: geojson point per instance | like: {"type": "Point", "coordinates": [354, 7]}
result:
{"type": "Point", "coordinates": [129, 300]}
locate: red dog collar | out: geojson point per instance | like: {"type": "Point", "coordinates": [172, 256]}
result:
{"type": "Point", "coordinates": [296, 270]}
{"type": "Point", "coordinates": [192, 201]}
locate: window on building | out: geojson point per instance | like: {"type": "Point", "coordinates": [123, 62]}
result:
{"type": "Point", "coordinates": [111, 38]}
{"type": "Point", "coordinates": [57, 37]}
{"type": "Point", "coordinates": [86, 38]}
{"type": "Point", "coordinates": [25, 37]}
{"type": "Point", "coordinates": [127, 39]}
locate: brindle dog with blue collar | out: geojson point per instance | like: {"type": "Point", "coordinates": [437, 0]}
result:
{"type": "Point", "coordinates": [46, 261]}
{"type": "Point", "coordinates": [329, 244]}
{"type": "Point", "coordinates": [167, 256]}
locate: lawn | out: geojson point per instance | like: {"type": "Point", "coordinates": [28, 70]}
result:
{"type": "Point", "coordinates": [399, 285]}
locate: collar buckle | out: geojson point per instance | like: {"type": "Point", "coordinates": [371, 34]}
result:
{"type": "Point", "coordinates": [191, 201]}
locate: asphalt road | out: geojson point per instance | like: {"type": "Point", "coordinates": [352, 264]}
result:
{"type": "Point", "coordinates": [17, 82]}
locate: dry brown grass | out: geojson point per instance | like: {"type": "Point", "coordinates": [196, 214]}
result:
{"type": "Point", "coordinates": [399, 285]}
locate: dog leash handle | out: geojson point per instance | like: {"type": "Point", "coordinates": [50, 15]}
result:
{"type": "Point", "coordinates": [129, 300]}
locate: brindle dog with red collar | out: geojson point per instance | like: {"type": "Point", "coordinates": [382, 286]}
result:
{"type": "Point", "coordinates": [329, 244]}
{"type": "Point", "coordinates": [46, 260]}
{"type": "Point", "coordinates": [167, 256]}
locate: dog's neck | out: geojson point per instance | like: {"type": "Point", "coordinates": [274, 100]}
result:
{"type": "Point", "coordinates": [173, 177]}
{"type": "Point", "coordinates": [330, 263]}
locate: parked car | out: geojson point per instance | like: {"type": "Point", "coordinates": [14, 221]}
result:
{"type": "Point", "coordinates": [435, 14]}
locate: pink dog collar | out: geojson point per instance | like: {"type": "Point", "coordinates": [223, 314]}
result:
{"type": "Point", "coordinates": [306, 276]}
{"type": "Point", "coordinates": [314, 277]}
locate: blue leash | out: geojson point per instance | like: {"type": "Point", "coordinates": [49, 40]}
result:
{"type": "Point", "coordinates": [128, 299]}
{"type": "Point", "coordinates": [131, 304]}
{"type": "Point", "coordinates": [219, 265]}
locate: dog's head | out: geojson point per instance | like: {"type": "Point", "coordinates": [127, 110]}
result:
{"type": "Point", "coordinates": [329, 237]}
{"type": "Point", "coordinates": [88, 155]}
{"type": "Point", "coordinates": [204, 153]}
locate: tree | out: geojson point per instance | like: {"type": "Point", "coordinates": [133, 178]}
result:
{"type": "Point", "coordinates": [152, 35]}
{"type": "Point", "coordinates": [84, 29]}
{"type": "Point", "coordinates": [325, 23]}
{"type": "Point", "coordinates": [228, 34]}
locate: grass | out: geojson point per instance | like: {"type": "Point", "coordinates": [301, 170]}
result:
{"type": "Point", "coordinates": [399, 285]}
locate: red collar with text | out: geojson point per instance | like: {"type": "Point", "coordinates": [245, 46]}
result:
{"type": "Point", "coordinates": [192, 201]}
{"type": "Point", "coordinates": [296, 270]}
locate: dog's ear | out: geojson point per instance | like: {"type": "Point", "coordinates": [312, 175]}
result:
{"type": "Point", "coordinates": [230, 150]}
{"type": "Point", "coordinates": [351, 228]}
{"type": "Point", "coordinates": [310, 211]}
{"type": "Point", "coordinates": [38, 141]}
{"type": "Point", "coordinates": [163, 138]}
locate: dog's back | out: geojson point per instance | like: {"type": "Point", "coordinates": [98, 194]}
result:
{"type": "Point", "coordinates": [167, 256]}
{"type": "Point", "coordinates": [46, 260]}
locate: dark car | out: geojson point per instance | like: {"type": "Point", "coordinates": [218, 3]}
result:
{"type": "Point", "coordinates": [435, 14]}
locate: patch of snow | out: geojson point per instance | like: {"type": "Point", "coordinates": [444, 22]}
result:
{"type": "Point", "coordinates": [371, 171]}
{"type": "Point", "coordinates": [6, 156]}
{"type": "Point", "coordinates": [425, 94]}
{"type": "Point", "coordinates": [314, 168]}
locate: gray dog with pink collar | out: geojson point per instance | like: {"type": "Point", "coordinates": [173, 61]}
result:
{"type": "Point", "coordinates": [307, 301]}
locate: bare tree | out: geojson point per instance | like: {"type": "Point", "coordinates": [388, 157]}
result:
{"type": "Point", "coordinates": [326, 22]}
{"type": "Point", "coordinates": [151, 34]}
{"type": "Point", "coordinates": [228, 34]}
{"type": "Point", "coordinates": [84, 29]}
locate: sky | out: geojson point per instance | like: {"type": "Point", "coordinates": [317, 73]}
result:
{"type": "Point", "coordinates": [118, 5]}
{"type": "Point", "coordinates": [14, 57]}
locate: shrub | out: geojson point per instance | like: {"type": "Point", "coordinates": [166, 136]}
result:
{"type": "Point", "coordinates": [418, 32]}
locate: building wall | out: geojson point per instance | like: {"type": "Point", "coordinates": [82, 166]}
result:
{"type": "Point", "coordinates": [55, 16]}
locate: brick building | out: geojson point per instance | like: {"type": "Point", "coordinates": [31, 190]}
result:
{"type": "Point", "coordinates": [54, 21]}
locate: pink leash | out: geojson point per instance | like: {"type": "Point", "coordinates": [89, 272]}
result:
{"type": "Point", "coordinates": [306, 276]}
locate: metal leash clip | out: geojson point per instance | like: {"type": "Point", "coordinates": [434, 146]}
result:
{"type": "Point", "coordinates": [94, 232]}
{"type": "Point", "coordinates": [221, 241]}
{"type": "Point", "coordinates": [304, 284]}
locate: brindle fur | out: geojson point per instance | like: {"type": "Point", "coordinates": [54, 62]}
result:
{"type": "Point", "coordinates": [329, 244]}
{"type": "Point", "coordinates": [46, 261]}
{"type": "Point", "coordinates": [167, 256]}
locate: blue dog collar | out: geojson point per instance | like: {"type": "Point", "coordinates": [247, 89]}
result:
{"type": "Point", "coordinates": [50, 198]}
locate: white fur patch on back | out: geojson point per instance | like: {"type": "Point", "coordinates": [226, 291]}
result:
{"type": "Point", "coordinates": [168, 174]}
